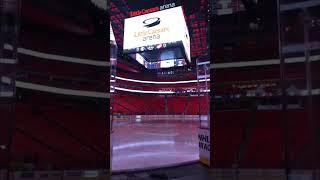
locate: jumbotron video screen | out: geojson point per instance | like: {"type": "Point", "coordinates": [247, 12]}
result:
{"type": "Point", "coordinates": [156, 40]}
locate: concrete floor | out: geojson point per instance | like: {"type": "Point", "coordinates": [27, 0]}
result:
{"type": "Point", "coordinates": [154, 144]}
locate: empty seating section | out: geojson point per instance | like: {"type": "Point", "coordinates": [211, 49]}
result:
{"type": "Point", "coordinates": [4, 132]}
{"type": "Point", "coordinates": [153, 104]}
{"type": "Point", "coordinates": [86, 125]}
{"type": "Point", "coordinates": [3, 159]}
{"type": "Point", "coordinates": [120, 108]}
{"type": "Point", "coordinates": [236, 75]}
{"type": "Point", "coordinates": [136, 76]}
{"type": "Point", "coordinates": [48, 134]}
{"type": "Point", "coordinates": [73, 45]}
{"type": "Point", "coordinates": [176, 105]}
{"type": "Point", "coordinates": [63, 75]}
{"type": "Point", "coordinates": [133, 104]}
{"type": "Point", "coordinates": [154, 87]}
{"type": "Point", "coordinates": [158, 78]}
{"type": "Point", "coordinates": [298, 139]}
{"type": "Point", "coordinates": [59, 68]}
{"type": "Point", "coordinates": [36, 126]}
{"type": "Point", "coordinates": [250, 53]}
{"type": "Point", "coordinates": [36, 67]}
{"type": "Point", "coordinates": [265, 141]}
{"type": "Point", "coordinates": [24, 148]}
{"type": "Point", "coordinates": [227, 133]}
{"type": "Point", "coordinates": [59, 136]}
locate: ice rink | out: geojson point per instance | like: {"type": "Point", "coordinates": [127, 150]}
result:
{"type": "Point", "coordinates": [154, 144]}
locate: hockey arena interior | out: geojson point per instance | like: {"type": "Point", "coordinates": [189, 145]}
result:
{"type": "Point", "coordinates": [159, 89]}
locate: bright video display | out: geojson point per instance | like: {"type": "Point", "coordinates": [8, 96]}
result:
{"type": "Point", "coordinates": [152, 34]}
{"type": "Point", "coordinates": [167, 63]}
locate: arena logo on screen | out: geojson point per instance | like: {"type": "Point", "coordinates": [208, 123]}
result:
{"type": "Point", "coordinates": [151, 22]}
{"type": "Point", "coordinates": [151, 10]}
{"type": "Point", "coordinates": [151, 33]}
{"type": "Point", "coordinates": [167, 6]}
